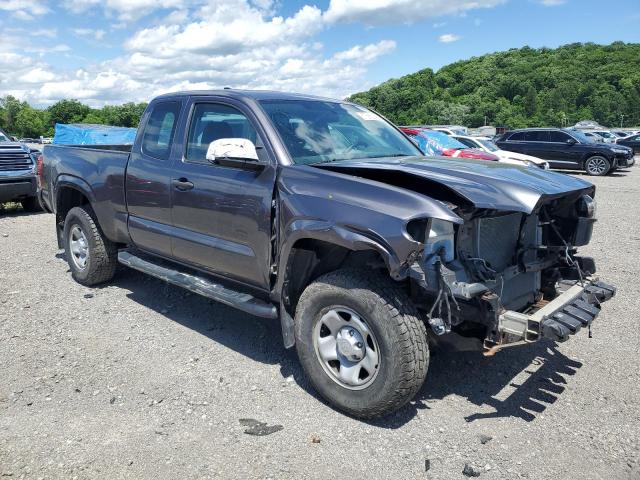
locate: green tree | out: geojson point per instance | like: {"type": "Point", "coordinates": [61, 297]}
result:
{"type": "Point", "coordinates": [10, 108]}
{"type": "Point", "coordinates": [30, 122]}
{"type": "Point", "coordinates": [67, 111]}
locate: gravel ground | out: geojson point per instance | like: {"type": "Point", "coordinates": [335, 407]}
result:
{"type": "Point", "coordinates": [139, 379]}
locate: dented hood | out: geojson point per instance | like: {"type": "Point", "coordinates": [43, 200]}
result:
{"type": "Point", "coordinates": [484, 184]}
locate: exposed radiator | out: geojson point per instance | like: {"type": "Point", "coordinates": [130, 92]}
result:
{"type": "Point", "coordinates": [497, 239]}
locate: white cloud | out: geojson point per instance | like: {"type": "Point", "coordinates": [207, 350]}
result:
{"type": "Point", "coordinates": [24, 9]}
{"type": "Point", "coordinates": [551, 3]}
{"type": "Point", "coordinates": [230, 43]}
{"type": "Point", "coordinates": [97, 34]}
{"type": "Point", "coordinates": [125, 10]}
{"type": "Point", "coordinates": [448, 38]}
{"type": "Point", "coordinates": [386, 12]}
{"type": "Point", "coordinates": [206, 44]}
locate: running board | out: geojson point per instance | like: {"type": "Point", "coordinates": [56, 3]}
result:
{"type": "Point", "coordinates": [200, 285]}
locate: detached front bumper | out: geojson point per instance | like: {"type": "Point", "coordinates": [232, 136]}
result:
{"type": "Point", "coordinates": [574, 308]}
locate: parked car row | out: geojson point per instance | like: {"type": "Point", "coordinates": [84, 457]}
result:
{"type": "Point", "coordinates": [597, 152]}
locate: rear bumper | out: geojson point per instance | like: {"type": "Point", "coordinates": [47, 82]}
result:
{"type": "Point", "coordinates": [17, 188]}
{"type": "Point", "coordinates": [565, 315]}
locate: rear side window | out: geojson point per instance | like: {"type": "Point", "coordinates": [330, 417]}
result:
{"type": "Point", "coordinates": [537, 136]}
{"type": "Point", "coordinates": [158, 133]}
{"type": "Point", "coordinates": [559, 137]}
{"type": "Point", "coordinates": [517, 137]}
{"type": "Point", "coordinates": [212, 121]}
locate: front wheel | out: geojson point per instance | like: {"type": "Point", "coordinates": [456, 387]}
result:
{"type": "Point", "coordinates": [597, 166]}
{"type": "Point", "coordinates": [361, 342]}
{"type": "Point", "coordinates": [91, 256]}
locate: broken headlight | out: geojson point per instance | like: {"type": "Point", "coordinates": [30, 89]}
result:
{"type": "Point", "coordinates": [586, 206]}
{"type": "Point", "coordinates": [441, 241]}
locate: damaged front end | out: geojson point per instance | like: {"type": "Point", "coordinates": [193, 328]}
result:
{"type": "Point", "coordinates": [511, 278]}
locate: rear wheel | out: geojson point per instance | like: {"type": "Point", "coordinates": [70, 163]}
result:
{"type": "Point", "coordinates": [361, 342]}
{"type": "Point", "coordinates": [597, 165]}
{"type": "Point", "coordinates": [91, 256]}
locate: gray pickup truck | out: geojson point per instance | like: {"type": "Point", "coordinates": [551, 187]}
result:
{"type": "Point", "coordinates": [18, 173]}
{"type": "Point", "coordinates": [322, 214]}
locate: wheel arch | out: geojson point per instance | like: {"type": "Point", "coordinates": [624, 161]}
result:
{"type": "Point", "coordinates": [70, 192]}
{"type": "Point", "coordinates": [314, 248]}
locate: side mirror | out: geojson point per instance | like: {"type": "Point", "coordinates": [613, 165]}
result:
{"type": "Point", "coordinates": [571, 141]}
{"type": "Point", "coordinates": [14, 139]}
{"type": "Point", "coordinates": [235, 153]}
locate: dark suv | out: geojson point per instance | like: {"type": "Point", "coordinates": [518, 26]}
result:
{"type": "Point", "coordinates": [567, 149]}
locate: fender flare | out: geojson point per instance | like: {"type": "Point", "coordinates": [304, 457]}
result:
{"type": "Point", "coordinates": [77, 183]}
{"type": "Point", "coordinates": [342, 235]}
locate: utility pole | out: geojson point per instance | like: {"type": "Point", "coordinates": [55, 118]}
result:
{"type": "Point", "coordinates": [621, 120]}
{"type": "Point", "coordinates": [485, 120]}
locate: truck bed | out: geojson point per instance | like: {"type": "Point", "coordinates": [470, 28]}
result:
{"type": "Point", "coordinates": [100, 169]}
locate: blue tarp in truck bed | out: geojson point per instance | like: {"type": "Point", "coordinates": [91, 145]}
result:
{"type": "Point", "coordinates": [86, 134]}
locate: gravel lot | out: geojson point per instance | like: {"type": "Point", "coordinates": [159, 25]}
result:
{"type": "Point", "coordinates": [139, 379]}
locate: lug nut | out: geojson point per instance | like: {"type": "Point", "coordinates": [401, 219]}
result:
{"type": "Point", "coordinates": [352, 333]}
{"type": "Point", "coordinates": [359, 344]}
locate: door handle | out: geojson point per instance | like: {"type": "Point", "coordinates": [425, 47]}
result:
{"type": "Point", "coordinates": [182, 184]}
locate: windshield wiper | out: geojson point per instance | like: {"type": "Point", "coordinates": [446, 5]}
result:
{"type": "Point", "coordinates": [392, 155]}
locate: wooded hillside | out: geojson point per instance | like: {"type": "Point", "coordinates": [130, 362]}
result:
{"type": "Point", "coordinates": [523, 87]}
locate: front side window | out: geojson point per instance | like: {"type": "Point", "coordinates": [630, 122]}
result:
{"type": "Point", "coordinates": [518, 137]}
{"type": "Point", "coordinates": [558, 137]}
{"type": "Point", "coordinates": [158, 133]}
{"type": "Point", "coordinates": [214, 121]}
{"type": "Point", "coordinates": [537, 136]}
{"type": "Point", "coordinates": [315, 131]}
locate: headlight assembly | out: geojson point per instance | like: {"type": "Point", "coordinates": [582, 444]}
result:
{"type": "Point", "coordinates": [441, 241]}
{"type": "Point", "coordinates": [587, 206]}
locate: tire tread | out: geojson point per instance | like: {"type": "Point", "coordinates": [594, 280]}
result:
{"type": "Point", "coordinates": [104, 255]}
{"type": "Point", "coordinates": [412, 342]}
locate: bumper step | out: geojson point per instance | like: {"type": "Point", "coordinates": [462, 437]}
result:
{"type": "Point", "coordinates": [578, 313]}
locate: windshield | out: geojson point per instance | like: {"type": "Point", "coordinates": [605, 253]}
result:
{"type": "Point", "coordinates": [3, 137]}
{"type": "Point", "coordinates": [489, 145]}
{"type": "Point", "coordinates": [315, 131]}
{"type": "Point", "coordinates": [432, 142]}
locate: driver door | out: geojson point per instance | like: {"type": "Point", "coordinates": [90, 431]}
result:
{"type": "Point", "coordinates": [222, 214]}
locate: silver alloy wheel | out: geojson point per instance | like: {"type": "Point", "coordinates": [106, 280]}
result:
{"type": "Point", "coordinates": [597, 165]}
{"type": "Point", "coordinates": [346, 348]}
{"type": "Point", "coordinates": [79, 246]}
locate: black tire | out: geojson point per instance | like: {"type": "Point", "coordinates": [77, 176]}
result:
{"type": "Point", "coordinates": [401, 336]}
{"type": "Point", "coordinates": [597, 166]}
{"type": "Point", "coordinates": [102, 257]}
{"type": "Point", "coordinates": [31, 204]}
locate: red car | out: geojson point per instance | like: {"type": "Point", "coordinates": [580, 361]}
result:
{"type": "Point", "coordinates": [434, 143]}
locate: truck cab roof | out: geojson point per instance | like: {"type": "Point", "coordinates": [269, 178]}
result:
{"type": "Point", "coordinates": [256, 95]}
